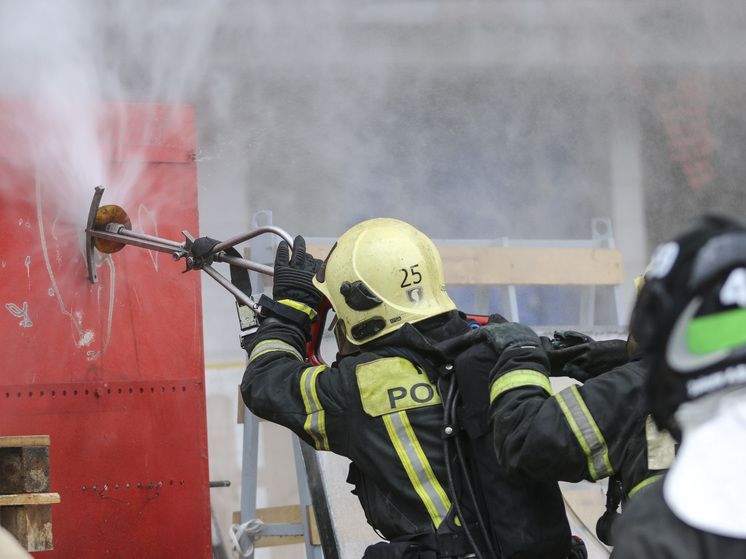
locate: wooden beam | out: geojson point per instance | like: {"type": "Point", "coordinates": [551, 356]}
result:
{"type": "Point", "coordinates": [24, 441]}
{"type": "Point", "coordinates": [474, 265]}
{"type": "Point", "coordinates": [25, 469]}
{"type": "Point", "coordinates": [30, 524]}
{"type": "Point", "coordinates": [289, 514]}
{"type": "Point", "coordinates": [29, 499]}
{"type": "Point", "coordinates": [240, 412]}
{"type": "Point", "coordinates": [532, 266]}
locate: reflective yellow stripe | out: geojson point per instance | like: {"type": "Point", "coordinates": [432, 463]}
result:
{"type": "Point", "coordinates": [518, 378]}
{"type": "Point", "coordinates": [273, 345]}
{"type": "Point", "coordinates": [586, 431]}
{"type": "Point", "coordinates": [312, 314]}
{"type": "Point", "coordinates": [315, 424]}
{"type": "Point", "coordinates": [644, 483]}
{"type": "Point", "coordinates": [417, 466]}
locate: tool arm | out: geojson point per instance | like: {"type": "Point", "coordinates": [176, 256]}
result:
{"type": "Point", "coordinates": [108, 229]}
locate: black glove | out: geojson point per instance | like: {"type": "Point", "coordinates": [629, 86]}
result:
{"type": "Point", "coordinates": [502, 336]}
{"type": "Point", "coordinates": [203, 245]}
{"type": "Point", "coordinates": [575, 355]}
{"type": "Point", "coordinates": [568, 338]}
{"type": "Point", "coordinates": [293, 275]}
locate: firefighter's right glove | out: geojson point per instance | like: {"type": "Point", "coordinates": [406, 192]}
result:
{"type": "Point", "coordinates": [575, 355]}
{"type": "Point", "coordinates": [294, 274]}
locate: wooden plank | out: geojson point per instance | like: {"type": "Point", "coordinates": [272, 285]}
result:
{"type": "Point", "coordinates": [532, 266]}
{"type": "Point", "coordinates": [24, 469]}
{"type": "Point", "coordinates": [289, 514]}
{"type": "Point", "coordinates": [29, 499]}
{"type": "Point", "coordinates": [31, 525]}
{"type": "Point", "coordinates": [472, 265]}
{"type": "Point", "coordinates": [313, 527]}
{"type": "Point", "coordinates": [273, 541]}
{"type": "Point", "coordinates": [241, 406]}
{"type": "Point", "coordinates": [25, 440]}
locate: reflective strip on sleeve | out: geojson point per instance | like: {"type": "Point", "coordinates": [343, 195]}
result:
{"type": "Point", "coordinates": [273, 345]}
{"type": "Point", "coordinates": [518, 378]}
{"type": "Point", "coordinates": [586, 431]}
{"type": "Point", "coordinates": [315, 424]}
{"type": "Point", "coordinates": [305, 309]}
{"type": "Point", "coordinates": [417, 466]}
{"type": "Point", "coordinates": [644, 483]}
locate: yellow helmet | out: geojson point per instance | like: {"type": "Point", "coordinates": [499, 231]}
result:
{"type": "Point", "coordinates": [380, 275]}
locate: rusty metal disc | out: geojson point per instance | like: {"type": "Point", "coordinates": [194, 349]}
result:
{"type": "Point", "coordinates": [104, 216]}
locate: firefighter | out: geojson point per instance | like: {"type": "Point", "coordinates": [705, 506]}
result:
{"type": "Point", "coordinates": [591, 431]}
{"type": "Point", "coordinates": [690, 324]}
{"type": "Point", "coordinates": [387, 402]}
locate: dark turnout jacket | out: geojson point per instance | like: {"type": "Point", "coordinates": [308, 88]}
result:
{"type": "Point", "coordinates": [383, 409]}
{"type": "Point", "coordinates": [649, 530]}
{"type": "Point", "coordinates": [584, 432]}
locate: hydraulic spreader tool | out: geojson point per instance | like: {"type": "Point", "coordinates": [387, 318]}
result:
{"type": "Point", "coordinates": [109, 230]}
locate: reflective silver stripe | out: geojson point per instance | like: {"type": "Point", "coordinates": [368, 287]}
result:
{"type": "Point", "coordinates": [417, 466]}
{"type": "Point", "coordinates": [586, 431]}
{"type": "Point", "coordinates": [273, 345]}
{"type": "Point", "coordinates": [315, 424]}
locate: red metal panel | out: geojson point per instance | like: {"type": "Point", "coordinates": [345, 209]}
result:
{"type": "Point", "coordinates": [112, 371]}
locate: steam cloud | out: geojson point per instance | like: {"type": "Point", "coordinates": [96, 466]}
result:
{"type": "Point", "coordinates": [67, 57]}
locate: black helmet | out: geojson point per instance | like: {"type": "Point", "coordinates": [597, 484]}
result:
{"type": "Point", "coordinates": [690, 318]}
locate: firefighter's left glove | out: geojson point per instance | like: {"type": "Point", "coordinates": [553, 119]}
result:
{"type": "Point", "coordinates": [202, 246]}
{"type": "Point", "coordinates": [508, 335]}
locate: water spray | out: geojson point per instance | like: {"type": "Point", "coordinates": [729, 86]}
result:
{"type": "Point", "coordinates": [109, 230]}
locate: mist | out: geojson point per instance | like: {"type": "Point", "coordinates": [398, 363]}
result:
{"type": "Point", "coordinates": [468, 119]}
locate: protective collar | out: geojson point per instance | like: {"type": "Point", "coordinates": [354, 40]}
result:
{"type": "Point", "coordinates": [706, 486]}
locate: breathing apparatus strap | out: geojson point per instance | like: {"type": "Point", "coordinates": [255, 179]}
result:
{"type": "Point", "coordinates": [247, 318]}
{"type": "Point", "coordinates": [239, 278]}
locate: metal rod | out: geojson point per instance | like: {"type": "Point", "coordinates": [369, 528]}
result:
{"type": "Point", "coordinates": [121, 230]}
{"type": "Point", "coordinates": [118, 233]}
{"type": "Point", "coordinates": [97, 194]}
{"type": "Point", "coordinates": [243, 263]}
{"type": "Point", "coordinates": [250, 235]}
{"type": "Point", "coordinates": [237, 293]}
